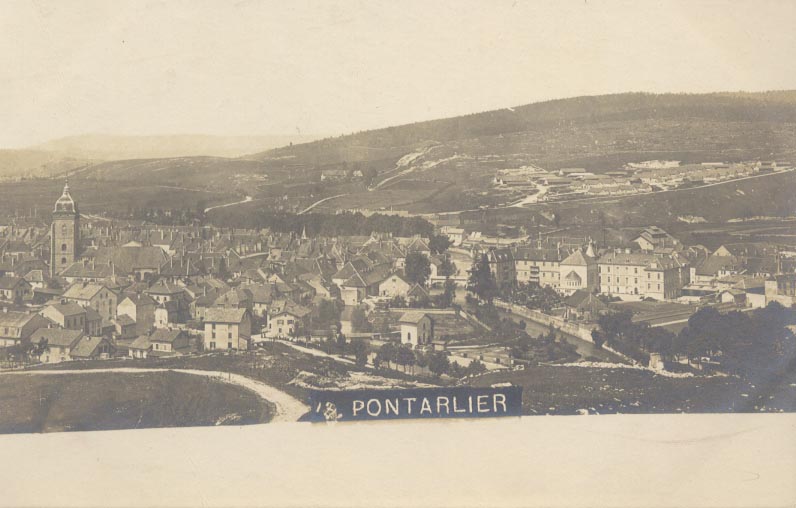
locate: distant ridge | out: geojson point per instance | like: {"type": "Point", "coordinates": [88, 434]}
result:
{"type": "Point", "coordinates": [118, 147]}
{"type": "Point", "coordinates": [774, 106]}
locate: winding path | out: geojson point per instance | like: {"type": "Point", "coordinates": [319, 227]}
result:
{"type": "Point", "coordinates": [324, 200]}
{"type": "Point", "coordinates": [287, 408]}
{"type": "Point", "coordinates": [247, 199]}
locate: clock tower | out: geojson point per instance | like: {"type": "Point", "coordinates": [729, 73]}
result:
{"type": "Point", "coordinates": [64, 233]}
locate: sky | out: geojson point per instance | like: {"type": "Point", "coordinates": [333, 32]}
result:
{"type": "Point", "coordinates": [252, 67]}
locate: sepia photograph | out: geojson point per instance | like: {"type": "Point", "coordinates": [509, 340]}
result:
{"type": "Point", "coordinates": [231, 215]}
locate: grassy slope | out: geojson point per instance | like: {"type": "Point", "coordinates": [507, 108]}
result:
{"type": "Point", "coordinates": [104, 401]}
{"type": "Point", "coordinates": [565, 390]}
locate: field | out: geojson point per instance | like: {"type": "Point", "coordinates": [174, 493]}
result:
{"type": "Point", "coordinates": [107, 401]}
{"type": "Point", "coordinates": [563, 390]}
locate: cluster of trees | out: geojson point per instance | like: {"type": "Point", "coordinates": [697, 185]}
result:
{"type": "Point", "coordinates": [435, 361]}
{"type": "Point", "coordinates": [443, 300]}
{"type": "Point", "coordinates": [168, 216]}
{"type": "Point", "coordinates": [535, 296]}
{"type": "Point", "coordinates": [744, 342]}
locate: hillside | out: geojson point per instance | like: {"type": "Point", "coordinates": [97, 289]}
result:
{"type": "Point", "coordinates": [578, 112]}
{"type": "Point", "coordinates": [16, 164]}
{"type": "Point", "coordinates": [114, 147]}
{"type": "Point", "coordinates": [448, 165]}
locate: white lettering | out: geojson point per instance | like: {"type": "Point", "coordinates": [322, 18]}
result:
{"type": "Point", "coordinates": [455, 406]}
{"type": "Point", "coordinates": [409, 401]}
{"type": "Point", "coordinates": [390, 405]}
{"type": "Point", "coordinates": [499, 398]}
{"type": "Point", "coordinates": [443, 401]}
{"type": "Point", "coordinates": [377, 412]}
{"type": "Point", "coordinates": [358, 406]}
{"type": "Point", "coordinates": [482, 401]}
{"type": "Point", "coordinates": [425, 406]}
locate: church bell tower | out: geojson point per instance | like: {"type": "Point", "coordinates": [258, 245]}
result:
{"type": "Point", "coordinates": [64, 233]}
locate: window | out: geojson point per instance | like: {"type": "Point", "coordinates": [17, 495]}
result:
{"type": "Point", "coordinates": [229, 335]}
{"type": "Point", "coordinates": [63, 261]}
{"type": "Point", "coordinates": [635, 270]}
{"type": "Point", "coordinates": [214, 334]}
{"type": "Point", "coordinates": [212, 345]}
{"type": "Point", "coordinates": [63, 247]}
{"type": "Point", "coordinates": [214, 326]}
{"type": "Point", "coordinates": [229, 345]}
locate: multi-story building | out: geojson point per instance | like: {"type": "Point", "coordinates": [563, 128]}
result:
{"type": "Point", "coordinates": [227, 329]}
{"type": "Point", "coordinates": [538, 265]}
{"type": "Point", "coordinates": [501, 264]}
{"type": "Point", "coordinates": [636, 275]}
{"type": "Point", "coordinates": [95, 296]}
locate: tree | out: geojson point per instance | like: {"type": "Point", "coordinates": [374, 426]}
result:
{"type": "Point", "coordinates": [405, 356]}
{"type": "Point", "coordinates": [360, 349]}
{"type": "Point", "coordinates": [448, 293]}
{"type": "Point", "coordinates": [598, 337]}
{"type": "Point", "coordinates": [386, 354]}
{"type": "Point", "coordinates": [328, 314]}
{"type": "Point", "coordinates": [359, 321]}
{"type": "Point", "coordinates": [438, 244]}
{"type": "Point", "coordinates": [475, 367]}
{"type": "Point", "coordinates": [438, 363]}
{"type": "Point", "coordinates": [481, 282]}
{"type": "Point", "coordinates": [417, 268]}
{"type": "Point", "coordinates": [446, 268]}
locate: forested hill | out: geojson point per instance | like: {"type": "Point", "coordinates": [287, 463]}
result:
{"type": "Point", "coordinates": [767, 107]}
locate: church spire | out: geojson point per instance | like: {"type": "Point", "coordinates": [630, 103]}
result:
{"type": "Point", "coordinates": [65, 203]}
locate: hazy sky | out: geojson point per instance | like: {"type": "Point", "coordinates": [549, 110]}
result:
{"type": "Point", "coordinates": [259, 67]}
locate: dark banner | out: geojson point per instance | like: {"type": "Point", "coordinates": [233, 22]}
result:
{"type": "Point", "coordinates": [456, 402]}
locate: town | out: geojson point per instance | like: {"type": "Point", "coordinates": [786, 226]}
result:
{"type": "Point", "coordinates": [449, 305]}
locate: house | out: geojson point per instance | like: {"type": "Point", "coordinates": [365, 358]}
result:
{"type": "Point", "coordinates": [14, 289]}
{"type": "Point", "coordinates": [584, 305]}
{"type": "Point", "coordinates": [164, 292]}
{"type": "Point", "coordinates": [781, 289]}
{"type": "Point", "coordinates": [417, 293]}
{"type": "Point", "coordinates": [235, 298]}
{"type": "Point", "coordinates": [125, 327]}
{"type": "Point", "coordinates": [59, 343]}
{"type": "Point", "coordinates": [654, 237]}
{"type": "Point", "coordinates": [140, 347]}
{"type": "Point", "coordinates": [17, 326]}
{"type": "Point", "coordinates": [91, 348]}
{"type": "Point", "coordinates": [67, 315]}
{"type": "Point", "coordinates": [140, 308]}
{"type": "Point", "coordinates": [96, 296]}
{"type": "Point", "coordinates": [417, 328]}
{"type": "Point", "coordinates": [227, 329]}
{"type": "Point", "coordinates": [168, 341]}
{"type": "Point", "coordinates": [454, 234]}
{"type": "Point", "coordinates": [289, 321]}
{"type": "Point", "coordinates": [501, 264]}
{"type": "Point", "coordinates": [138, 262]}
{"type": "Point", "coordinates": [394, 285]}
